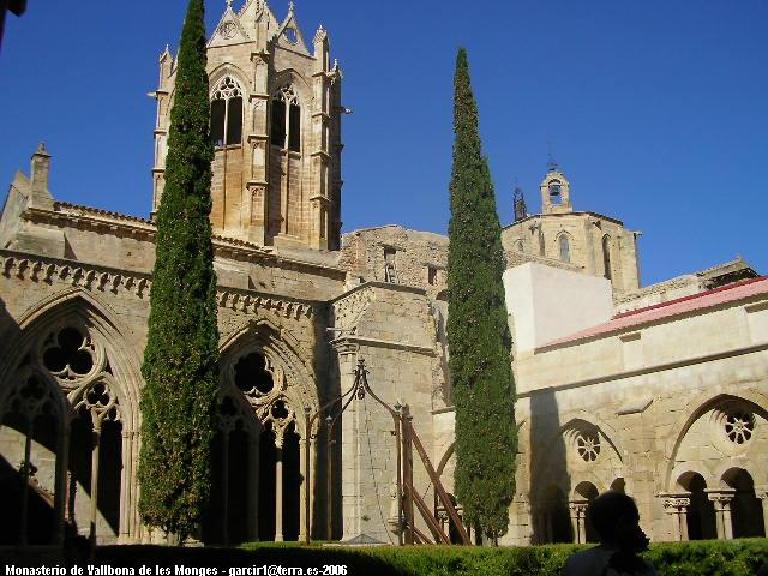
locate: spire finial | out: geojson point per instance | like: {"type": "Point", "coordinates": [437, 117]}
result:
{"type": "Point", "coordinates": [41, 150]}
{"type": "Point", "coordinates": [229, 4]}
{"type": "Point", "coordinates": [552, 164]}
{"type": "Point", "coordinates": [291, 7]}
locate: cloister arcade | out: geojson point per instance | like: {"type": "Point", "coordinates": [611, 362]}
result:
{"type": "Point", "coordinates": [68, 429]}
{"type": "Point", "coordinates": [717, 475]}
{"type": "Point", "coordinates": [69, 435]}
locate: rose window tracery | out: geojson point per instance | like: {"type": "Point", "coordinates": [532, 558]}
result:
{"type": "Point", "coordinates": [588, 445]}
{"type": "Point", "coordinates": [732, 424]}
{"type": "Point", "coordinates": [739, 426]}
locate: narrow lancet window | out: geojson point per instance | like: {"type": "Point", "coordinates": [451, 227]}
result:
{"type": "Point", "coordinates": [607, 257]}
{"type": "Point", "coordinates": [285, 122]}
{"type": "Point", "coordinates": [565, 249]}
{"type": "Point", "coordinates": [227, 113]}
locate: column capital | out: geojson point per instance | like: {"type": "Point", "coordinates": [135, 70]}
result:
{"type": "Point", "coordinates": [344, 346]}
{"type": "Point", "coordinates": [675, 502]}
{"type": "Point", "coordinates": [578, 503]}
{"type": "Point", "coordinates": [720, 495]}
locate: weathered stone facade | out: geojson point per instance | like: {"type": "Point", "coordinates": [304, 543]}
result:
{"type": "Point", "coordinates": [618, 386]}
{"type": "Point", "coordinates": [582, 241]}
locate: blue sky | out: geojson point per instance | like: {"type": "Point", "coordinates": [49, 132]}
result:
{"type": "Point", "coordinates": [656, 110]}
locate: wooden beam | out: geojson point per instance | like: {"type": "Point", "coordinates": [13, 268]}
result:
{"type": "Point", "coordinates": [449, 507]}
{"type": "Point", "coordinates": [434, 527]}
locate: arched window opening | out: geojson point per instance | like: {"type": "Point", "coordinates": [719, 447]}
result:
{"type": "Point", "coordinates": [565, 249]}
{"type": "Point", "coordinates": [519, 246]}
{"type": "Point", "coordinates": [746, 508]}
{"type": "Point", "coordinates": [86, 487]}
{"type": "Point", "coordinates": [29, 433]}
{"type": "Point", "coordinates": [555, 192]}
{"type": "Point", "coordinates": [542, 245]}
{"type": "Point", "coordinates": [607, 257]}
{"type": "Point", "coordinates": [227, 113]}
{"type": "Point", "coordinates": [701, 512]}
{"type": "Point", "coordinates": [286, 120]}
{"type": "Point", "coordinates": [585, 493]}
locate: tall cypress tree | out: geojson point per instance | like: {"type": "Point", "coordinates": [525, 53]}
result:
{"type": "Point", "coordinates": [180, 360]}
{"type": "Point", "coordinates": [478, 332]}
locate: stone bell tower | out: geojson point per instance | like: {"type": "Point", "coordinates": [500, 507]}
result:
{"type": "Point", "coordinates": [276, 125]}
{"type": "Point", "coordinates": [555, 191]}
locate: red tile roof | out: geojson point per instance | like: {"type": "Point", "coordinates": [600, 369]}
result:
{"type": "Point", "coordinates": [709, 299]}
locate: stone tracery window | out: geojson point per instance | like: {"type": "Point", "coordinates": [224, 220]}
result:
{"type": "Point", "coordinates": [68, 353]}
{"type": "Point", "coordinates": [588, 445]}
{"type": "Point", "coordinates": [68, 370]}
{"type": "Point", "coordinates": [739, 426]}
{"type": "Point", "coordinates": [227, 113]}
{"type": "Point", "coordinates": [253, 375]}
{"type": "Point", "coordinates": [732, 425]}
{"type": "Point", "coordinates": [286, 120]}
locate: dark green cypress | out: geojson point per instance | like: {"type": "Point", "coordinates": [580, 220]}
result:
{"type": "Point", "coordinates": [478, 332]}
{"type": "Point", "coordinates": [181, 356]}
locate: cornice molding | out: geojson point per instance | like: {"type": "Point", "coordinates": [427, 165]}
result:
{"type": "Point", "coordinates": [33, 268]}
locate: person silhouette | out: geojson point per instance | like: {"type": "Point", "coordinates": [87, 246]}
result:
{"type": "Point", "coordinates": [616, 520]}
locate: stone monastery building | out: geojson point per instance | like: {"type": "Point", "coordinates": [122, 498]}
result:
{"type": "Point", "coordinates": [659, 391]}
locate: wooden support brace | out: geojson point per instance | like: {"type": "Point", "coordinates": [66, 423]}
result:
{"type": "Point", "coordinates": [434, 527]}
{"type": "Point", "coordinates": [450, 508]}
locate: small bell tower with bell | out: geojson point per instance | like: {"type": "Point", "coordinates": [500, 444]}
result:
{"type": "Point", "coordinates": [555, 191]}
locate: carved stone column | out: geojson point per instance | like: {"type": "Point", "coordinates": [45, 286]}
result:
{"type": "Point", "coordinates": [302, 494]}
{"type": "Point", "coordinates": [350, 472]}
{"type": "Point", "coordinates": [676, 506]}
{"type": "Point", "coordinates": [763, 495]}
{"type": "Point", "coordinates": [279, 488]}
{"type": "Point", "coordinates": [253, 487]}
{"type": "Point", "coordinates": [225, 486]}
{"type": "Point", "coordinates": [578, 510]}
{"type": "Point", "coordinates": [722, 499]}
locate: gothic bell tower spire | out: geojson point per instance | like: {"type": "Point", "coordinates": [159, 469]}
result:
{"type": "Point", "coordinates": [276, 126]}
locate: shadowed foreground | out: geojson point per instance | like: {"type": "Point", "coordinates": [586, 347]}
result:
{"type": "Point", "coordinates": [735, 558]}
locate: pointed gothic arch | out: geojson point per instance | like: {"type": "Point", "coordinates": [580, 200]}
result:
{"type": "Point", "coordinates": [268, 389]}
{"type": "Point", "coordinates": [227, 111]}
{"type": "Point", "coordinates": [78, 352]}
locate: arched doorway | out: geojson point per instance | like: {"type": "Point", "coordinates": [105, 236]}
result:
{"type": "Point", "coordinates": [701, 511]}
{"type": "Point", "coordinates": [746, 508]}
